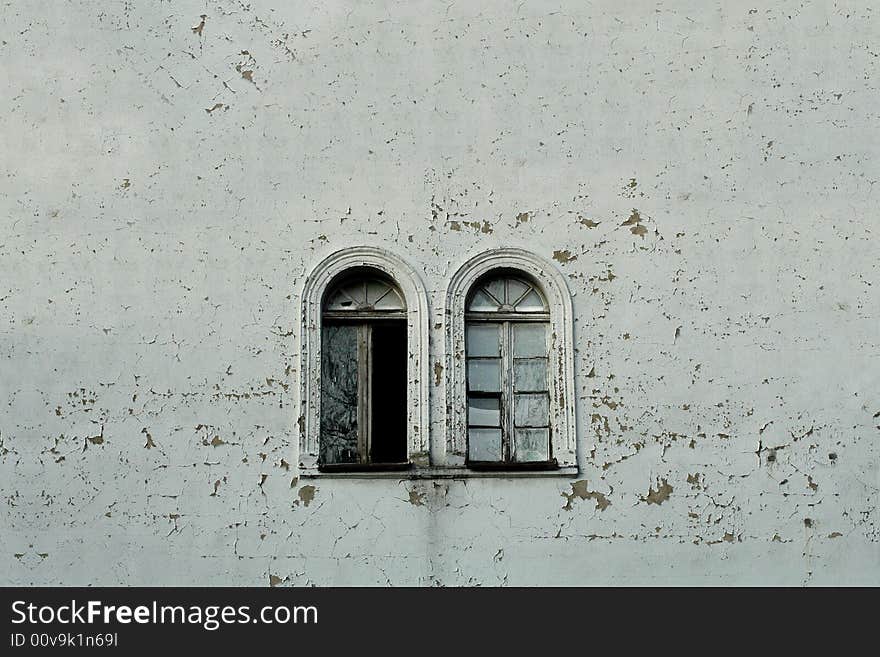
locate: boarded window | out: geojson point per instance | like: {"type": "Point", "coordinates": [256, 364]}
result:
{"type": "Point", "coordinates": [507, 348]}
{"type": "Point", "coordinates": [363, 374]}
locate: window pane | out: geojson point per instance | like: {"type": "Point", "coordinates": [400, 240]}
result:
{"type": "Point", "coordinates": [482, 303]}
{"type": "Point", "coordinates": [531, 445]}
{"type": "Point", "coordinates": [515, 289]}
{"type": "Point", "coordinates": [496, 289]}
{"type": "Point", "coordinates": [529, 340]}
{"type": "Point", "coordinates": [375, 289]}
{"type": "Point", "coordinates": [530, 375]}
{"type": "Point", "coordinates": [339, 394]}
{"type": "Point", "coordinates": [388, 299]}
{"type": "Point", "coordinates": [531, 303]}
{"type": "Point", "coordinates": [483, 340]}
{"type": "Point", "coordinates": [347, 297]}
{"type": "Point", "coordinates": [531, 410]}
{"type": "Point", "coordinates": [484, 375]}
{"type": "Point", "coordinates": [484, 412]}
{"type": "Point", "coordinates": [363, 294]}
{"type": "Point", "coordinates": [484, 444]}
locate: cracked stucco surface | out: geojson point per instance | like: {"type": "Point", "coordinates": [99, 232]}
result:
{"type": "Point", "coordinates": [702, 173]}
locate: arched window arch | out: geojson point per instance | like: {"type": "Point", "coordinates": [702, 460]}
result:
{"type": "Point", "coordinates": [363, 355]}
{"type": "Point", "coordinates": [510, 365]}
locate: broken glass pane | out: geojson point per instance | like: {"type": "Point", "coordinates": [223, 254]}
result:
{"type": "Point", "coordinates": [484, 375]}
{"type": "Point", "coordinates": [529, 340]}
{"type": "Point", "coordinates": [345, 297]}
{"type": "Point", "coordinates": [483, 340]}
{"type": "Point", "coordinates": [531, 410]}
{"type": "Point", "coordinates": [365, 293]}
{"type": "Point", "coordinates": [484, 411]}
{"type": "Point", "coordinates": [530, 375]}
{"type": "Point", "coordinates": [484, 444]}
{"type": "Point", "coordinates": [339, 394]}
{"type": "Point", "coordinates": [531, 445]}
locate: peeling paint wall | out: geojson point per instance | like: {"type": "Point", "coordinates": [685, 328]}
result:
{"type": "Point", "coordinates": [702, 174]}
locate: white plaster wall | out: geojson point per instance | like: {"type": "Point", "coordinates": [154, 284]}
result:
{"type": "Point", "coordinates": [164, 189]}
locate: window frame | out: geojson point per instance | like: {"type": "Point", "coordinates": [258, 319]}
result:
{"type": "Point", "coordinates": [507, 392]}
{"type": "Point", "coordinates": [314, 288]}
{"type": "Point", "coordinates": [563, 439]}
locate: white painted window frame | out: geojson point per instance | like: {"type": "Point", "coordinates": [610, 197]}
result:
{"type": "Point", "coordinates": [311, 295]}
{"type": "Point", "coordinates": [562, 399]}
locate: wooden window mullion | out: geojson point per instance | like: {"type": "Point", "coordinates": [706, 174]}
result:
{"type": "Point", "coordinates": [364, 391]}
{"type": "Point", "coordinates": [506, 390]}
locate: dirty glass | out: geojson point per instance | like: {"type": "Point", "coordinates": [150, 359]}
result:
{"type": "Point", "coordinates": [483, 340]}
{"type": "Point", "coordinates": [345, 297]}
{"type": "Point", "coordinates": [515, 290]}
{"type": "Point", "coordinates": [531, 303]}
{"type": "Point", "coordinates": [481, 302]}
{"type": "Point", "coordinates": [529, 340]}
{"type": "Point", "coordinates": [484, 411]}
{"type": "Point", "coordinates": [496, 290]}
{"type": "Point", "coordinates": [382, 296]}
{"type": "Point", "coordinates": [365, 294]}
{"type": "Point", "coordinates": [339, 394]}
{"type": "Point", "coordinates": [530, 375]}
{"type": "Point", "coordinates": [484, 444]}
{"type": "Point", "coordinates": [484, 375]}
{"type": "Point", "coordinates": [531, 410]}
{"type": "Point", "coordinates": [508, 370]}
{"type": "Point", "coordinates": [531, 445]}
{"type": "Point", "coordinates": [375, 291]}
{"type": "Point", "coordinates": [507, 294]}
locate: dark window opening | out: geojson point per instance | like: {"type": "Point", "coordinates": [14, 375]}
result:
{"type": "Point", "coordinates": [388, 421]}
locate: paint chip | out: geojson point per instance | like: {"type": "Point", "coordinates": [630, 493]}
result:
{"type": "Point", "coordinates": [579, 491]}
{"type": "Point", "coordinates": [634, 218]}
{"type": "Point", "coordinates": [307, 494]}
{"type": "Point", "coordinates": [197, 29]}
{"type": "Point", "coordinates": [660, 495]}
{"type": "Point", "coordinates": [564, 256]}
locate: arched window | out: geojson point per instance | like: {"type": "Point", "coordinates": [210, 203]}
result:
{"type": "Point", "coordinates": [510, 365]}
{"type": "Point", "coordinates": [363, 364]}
{"type": "Point", "coordinates": [507, 324]}
{"type": "Point", "coordinates": [363, 372]}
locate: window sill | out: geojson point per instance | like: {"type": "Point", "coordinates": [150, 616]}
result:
{"type": "Point", "coordinates": [363, 467]}
{"type": "Point", "coordinates": [440, 473]}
